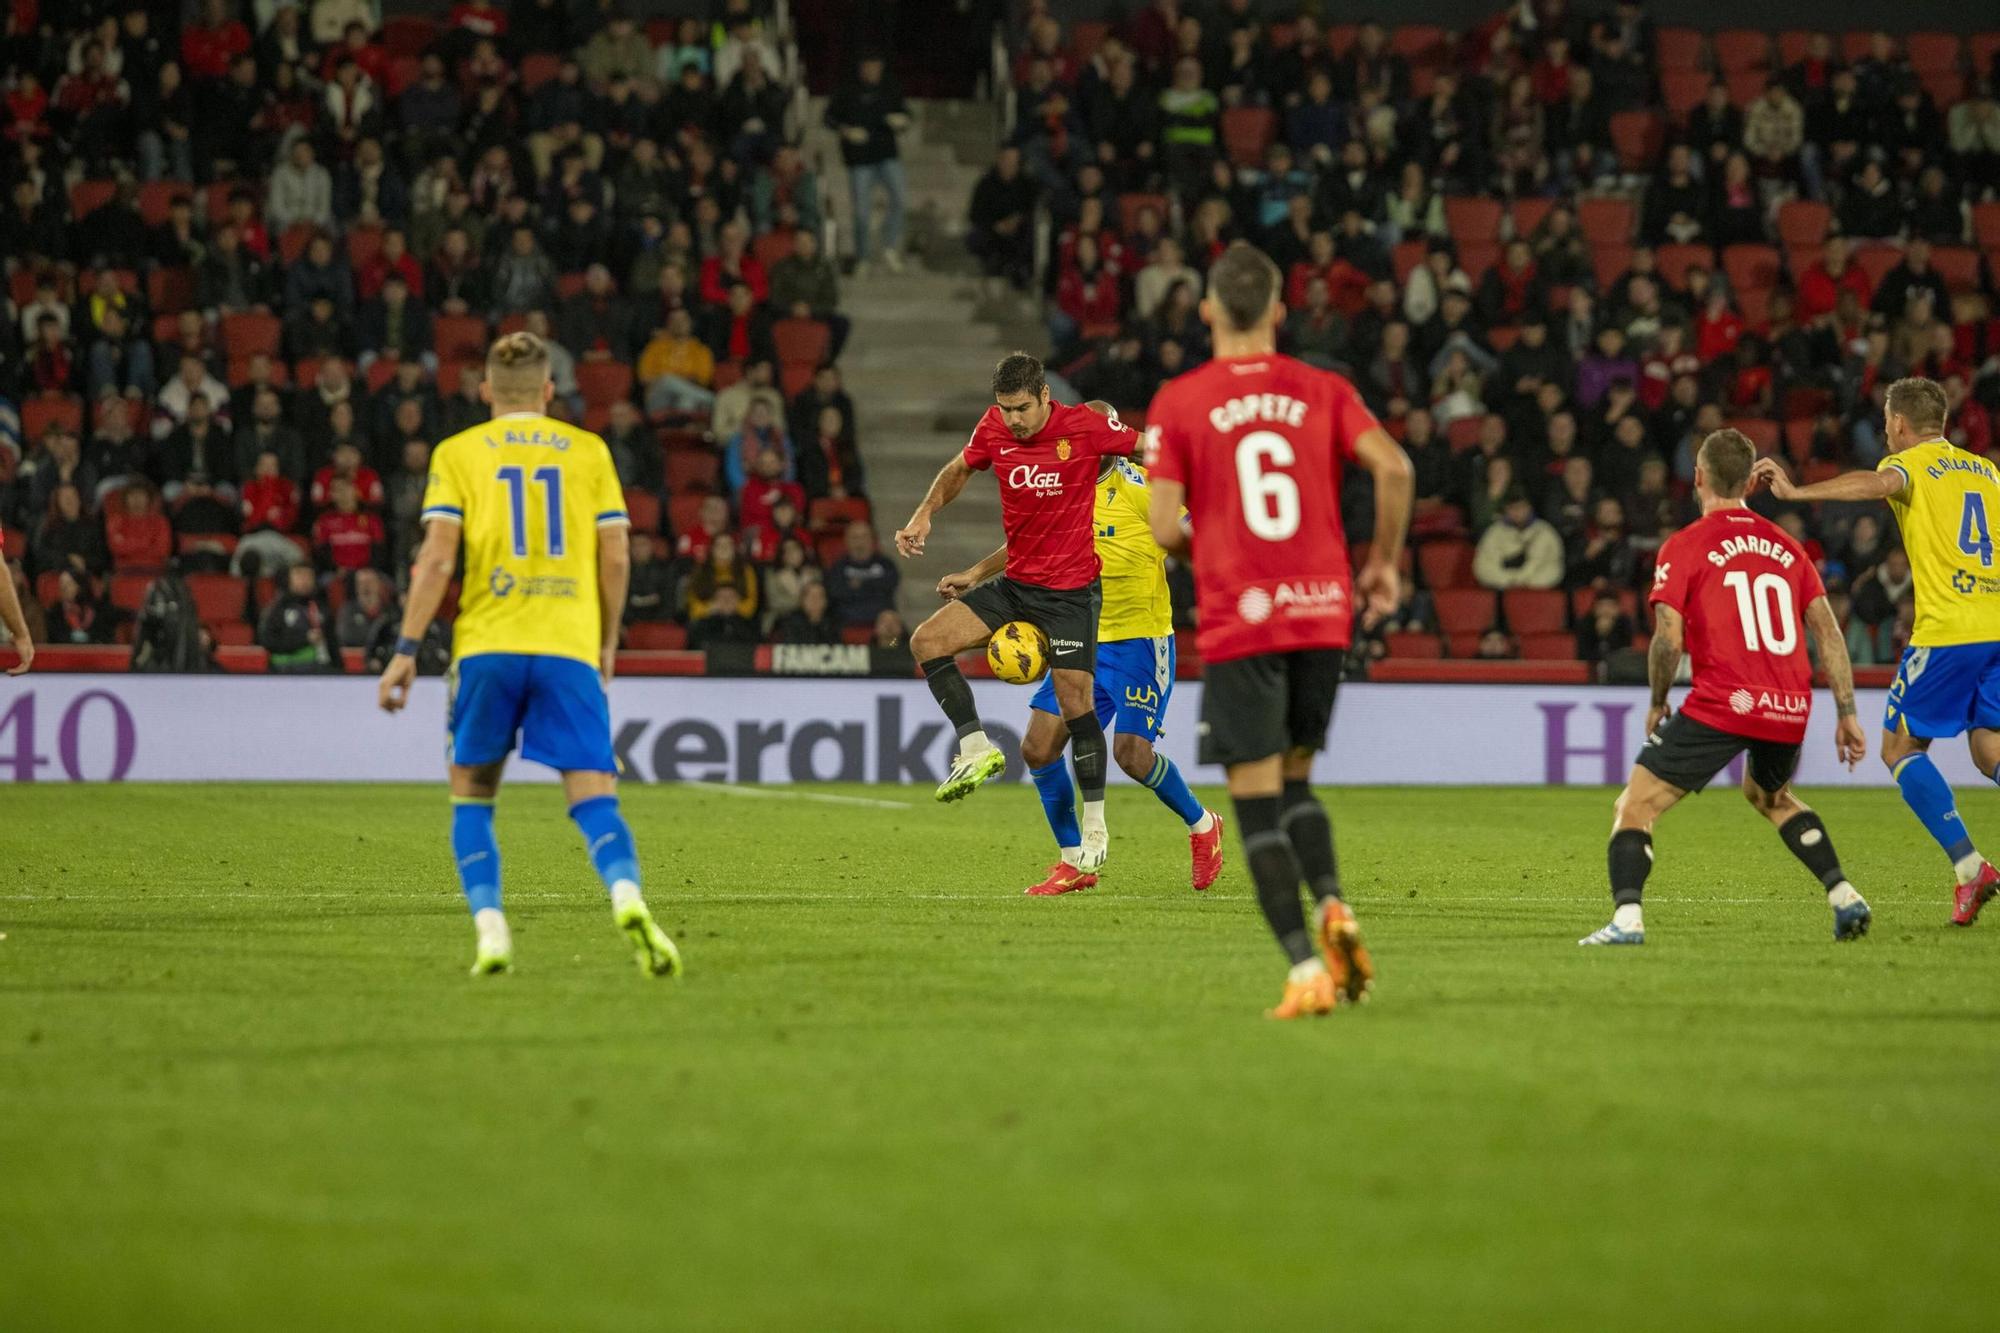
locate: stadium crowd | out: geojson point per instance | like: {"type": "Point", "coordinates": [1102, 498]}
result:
{"type": "Point", "coordinates": [254, 259]}
{"type": "Point", "coordinates": [1553, 252]}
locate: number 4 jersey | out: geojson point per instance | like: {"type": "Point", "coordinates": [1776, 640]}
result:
{"type": "Point", "coordinates": [1742, 585]}
{"type": "Point", "coordinates": [1260, 444]}
{"type": "Point", "coordinates": [1949, 501]}
{"type": "Point", "coordinates": [531, 493]}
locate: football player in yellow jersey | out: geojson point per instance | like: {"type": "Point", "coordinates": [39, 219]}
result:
{"type": "Point", "coordinates": [1946, 501]}
{"type": "Point", "coordinates": [1133, 679]}
{"type": "Point", "coordinates": [537, 505]}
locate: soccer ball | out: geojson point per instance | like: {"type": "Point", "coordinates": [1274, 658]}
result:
{"type": "Point", "coordinates": [1018, 653]}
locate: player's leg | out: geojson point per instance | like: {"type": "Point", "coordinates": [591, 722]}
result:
{"type": "Point", "coordinates": [568, 727]}
{"type": "Point", "coordinates": [1936, 694]}
{"type": "Point", "coordinates": [487, 697]}
{"type": "Point", "coordinates": [1312, 686]}
{"type": "Point", "coordinates": [1042, 753]}
{"type": "Point", "coordinates": [1629, 858]}
{"type": "Point", "coordinates": [1983, 740]}
{"type": "Point", "coordinates": [1089, 755]}
{"type": "Point", "coordinates": [935, 644]}
{"type": "Point", "coordinates": [1767, 785]}
{"type": "Point", "coordinates": [1135, 682]}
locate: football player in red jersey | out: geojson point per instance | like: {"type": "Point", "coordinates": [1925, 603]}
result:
{"type": "Point", "coordinates": [1255, 444]}
{"type": "Point", "coordinates": [1732, 587]}
{"type": "Point", "coordinates": [1044, 455]}
{"type": "Point", "coordinates": [15, 621]}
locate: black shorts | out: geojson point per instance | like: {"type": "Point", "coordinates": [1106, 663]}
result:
{"type": "Point", "coordinates": [1067, 615]}
{"type": "Point", "coordinates": [1688, 754]}
{"type": "Point", "coordinates": [1272, 703]}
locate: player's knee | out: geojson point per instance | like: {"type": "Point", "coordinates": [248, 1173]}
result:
{"type": "Point", "coordinates": [1038, 753]}
{"type": "Point", "coordinates": [1134, 755]}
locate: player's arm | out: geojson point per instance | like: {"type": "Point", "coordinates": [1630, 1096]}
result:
{"type": "Point", "coordinates": [16, 622]}
{"type": "Point", "coordinates": [1166, 514]}
{"type": "Point", "coordinates": [945, 487]}
{"type": "Point", "coordinates": [952, 586]}
{"type": "Point", "coordinates": [1850, 742]}
{"type": "Point", "coordinates": [1663, 661]}
{"type": "Point", "coordinates": [1123, 440]}
{"type": "Point", "coordinates": [430, 576]}
{"type": "Point", "coordinates": [1395, 490]}
{"type": "Point", "coordinates": [614, 576]}
{"type": "Point", "coordinates": [1847, 486]}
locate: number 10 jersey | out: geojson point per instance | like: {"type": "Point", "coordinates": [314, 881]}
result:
{"type": "Point", "coordinates": [1261, 443]}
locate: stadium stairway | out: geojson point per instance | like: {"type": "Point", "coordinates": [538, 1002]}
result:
{"type": "Point", "coordinates": [924, 342]}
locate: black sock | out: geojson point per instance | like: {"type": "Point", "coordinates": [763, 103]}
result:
{"type": "Point", "coordinates": [1087, 754]}
{"type": "Point", "coordinates": [1631, 862]}
{"type": "Point", "coordinates": [1305, 822]}
{"type": "Point", "coordinates": [1275, 868]}
{"type": "Point", "coordinates": [953, 694]}
{"type": "Point", "coordinates": [1807, 839]}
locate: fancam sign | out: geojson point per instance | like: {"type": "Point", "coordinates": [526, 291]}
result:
{"type": "Point", "coordinates": [111, 728]}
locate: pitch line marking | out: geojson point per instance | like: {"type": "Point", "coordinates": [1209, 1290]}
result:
{"type": "Point", "coordinates": [781, 794]}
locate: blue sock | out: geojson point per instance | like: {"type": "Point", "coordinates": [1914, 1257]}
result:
{"type": "Point", "coordinates": [1059, 802]}
{"type": "Point", "coordinates": [477, 852]}
{"type": "Point", "coordinates": [608, 838]}
{"type": "Point", "coordinates": [1929, 797]}
{"type": "Point", "coordinates": [1172, 789]}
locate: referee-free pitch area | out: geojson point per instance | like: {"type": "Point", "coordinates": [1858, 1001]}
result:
{"type": "Point", "coordinates": [245, 1082]}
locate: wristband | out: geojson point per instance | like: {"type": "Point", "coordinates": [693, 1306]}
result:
{"type": "Point", "coordinates": [407, 646]}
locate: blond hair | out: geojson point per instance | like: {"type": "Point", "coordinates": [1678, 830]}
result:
{"type": "Point", "coordinates": [517, 366]}
{"type": "Point", "coordinates": [1920, 402]}
{"type": "Point", "coordinates": [1727, 457]}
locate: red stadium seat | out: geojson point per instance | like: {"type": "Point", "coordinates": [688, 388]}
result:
{"type": "Point", "coordinates": [380, 371]}
{"type": "Point", "coordinates": [458, 338]}
{"type": "Point", "coordinates": [1606, 221]}
{"type": "Point", "coordinates": [170, 290]}
{"type": "Point", "coordinates": [603, 383]}
{"type": "Point", "coordinates": [1986, 225]}
{"type": "Point", "coordinates": [1551, 646]}
{"type": "Point", "coordinates": [128, 591]}
{"type": "Point", "coordinates": [827, 514]}
{"type": "Point", "coordinates": [726, 374]}
{"type": "Point", "coordinates": [1638, 136]}
{"type": "Point", "coordinates": [1464, 644]}
{"type": "Point", "coordinates": [1246, 132]}
{"type": "Point", "coordinates": [569, 284]}
{"type": "Point", "coordinates": [1741, 49]}
{"type": "Point", "coordinates": [656, 635]}
{"type": "Point", "coordinates": [156, 199]}
{"type": "Point", "coordinates": [1608, 262]}
{"type": "Point", "coordinates": [1475, 257]}
{"type": "Point", "coordinates": [1798, 437]}
{"type": "Point", "coordinates": [1503, 336]}
{"type": "Point", "coordinates": [1527, 214]}
{"type": "Point", "coordinates": [1675, 260]}
{"type": "Point", "coordinates": [537, 68]}
{"type": "Point", "coordinates": [1805, 401]}
{"type": "Point", "coordinates": [1445, 564]}
{"type": "Point", "coordinates": [691, 473]}
{"type": "Point", "coordinates": [1945, 87]}
{"type": "Point", "coordinates": [1803, 222]}
{"type": "Point", "coordinates": [771, 247]}
{"type": "Point", "coordinates": [1419, 43]}
{"type": "Point", "coordinates": [1755, 307]}
{"type": "Point", "coordinates": [1854, 44]}
{"type": "Point", "coordinates": [1472, 218]}
{"type": "Point", "coordinates": [1534, 610]}
{"type": "Point", "coordinates": [684, 512]}
{"type": "Point", "coordinates": [408, 35]}
{"type": "Point", "coordinates": [43, 410]}
{"type": "Point", "coordinates": [1762, 432]}
{"type": "Point", "coordinates": [1876, 261]}
{"type": "Point", "coordinates": [644, 508]}
{"type": "Point", "coordinates": [801, 340]}
{"type": "Point", "coordinates": [1681, 90]}
{"type": "Point", "coordinates": [1462, 433]}
{"type": "Point", "coordinates": [1792, 46]}
{"type": "Point", "coordinates": [232, 633]}
{"type": "Point", "coordinates": [1751, 267]}
{"type": "Point", "coordinates": [402, 72]}
{"type": "Point", "coordinates": [1130, 206]}
{"type": "Point", "coordinates": [1745, 86]}
{"type": "Point", "coordinates": [1678, 48]}
{"type": "Point", "coordinates": [194, 543]}
{"type": "Point", "coordinates": [363, 245]}
{"type": "Point", "coordinates": [1464, 610]}
{"type": "Point", "coordinates": [1406, 257]}
{"type": "Point", "coordinates": [1085, 36]}
{"type": "Point", "coordinates": [216, 596]}
{"type": "Point", "coordinates": [293, 241]}
{"type": "Point", "coordinates": [1958, 265]}
{"type": "Point", "coordinates": [1340, 38]}
{"type": "Point", "coordinates": [1413, 645]}
{"type": "Point", "coordinates": [1581, 598]}
{"type": "Point", "coordinates": [305, 370]}
{"type": "Point", "coordinates": [87, 196]}
{"type": "Point", "coordinates": [1983, 48]}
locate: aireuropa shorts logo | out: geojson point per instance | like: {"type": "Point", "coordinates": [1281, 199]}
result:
{"type": "Point", "coordinates": [1063, 647]}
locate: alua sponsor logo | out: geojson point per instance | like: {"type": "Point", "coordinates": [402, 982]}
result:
{"type": "Point", "coordinates": [1742, 702]}
{"type": "Point", "coordinates": [1302, 597]}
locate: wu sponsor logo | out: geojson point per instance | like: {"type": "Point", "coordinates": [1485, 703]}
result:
{"type": "Point", "coordinates": [1142, 696]}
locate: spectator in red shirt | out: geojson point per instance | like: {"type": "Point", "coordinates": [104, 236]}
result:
{"type": "Point", "coordinates": [207, 47]}
{"type": "Point", "coordinates": [479, 18]}
{"type": "Point", "coordinates": [764, 489]}
{"type": "Point", "coordinates": [137, 532]}
{"type": "Point", "coordinates": [1346, 285]}
{"type": "Point", "coordinates": [1822, 284]}
{"type": "Point", "coordinates": [346, 537]}
{"type": "Point", "coordinates": [1717, 329]}
{"type": "Point", "coordinates": [763, 542]}
{"type": "Point", "coordinates": [1087, 296]}
{"type": "Point", "coordinates": [730, 264]}
{"type": "Point", "coordinates": [711, 521]}
{"type": "Point", "coordinates": [371, 58]}
{"type": "Point", "coordinates": [348, 467]}
{"type": "Point", "coordinates": [270, 498]}
{"type": "Point", "coordinates": [27, 105]}
{"type": "Point", "coordinates": [393, 257]}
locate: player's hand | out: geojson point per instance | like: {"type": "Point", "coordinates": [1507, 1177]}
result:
{"type": "Point", "coordinates": [1656, 716]}
{"type": "Point", "coordinates": [1380, 589]}
{"type": "Point", "coordinates": [607, 662]}
{"type": "Point", "coordinates": [1850, 742]}
{"type": "Point", "coordinates": [1772, 473]}
{"type": "Point", "coordinates": [910, 540]}
{"type": "Point", "coordinates": [394, 689]}
{"type": "Point", "coordinates": [26, 648]}
{"type": "Point", "coordinates": [952, 586]}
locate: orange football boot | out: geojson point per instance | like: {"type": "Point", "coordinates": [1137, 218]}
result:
{"type": "Point", "coordinates": [1307, 999]}
{"type": "Point", "coordinates": [1347, 960]}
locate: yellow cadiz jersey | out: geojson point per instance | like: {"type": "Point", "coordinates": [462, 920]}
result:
{"type": "Point", "coordinates": [531, 493]}
{"type": "Point", "coordinates": [1136, 602]}
{"type": "Point", "coordinates": [1947, 508]}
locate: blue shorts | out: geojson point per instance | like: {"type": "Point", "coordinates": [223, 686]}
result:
{"type": "Point", "coordinates": [1133, 680]}
{"type": "Point", "coordinates": [1945, 691]}
{"type": "Point", "coordinates": [555, 706]}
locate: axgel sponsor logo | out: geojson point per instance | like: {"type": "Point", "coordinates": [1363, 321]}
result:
{"type": "Point", "coordinates": [1044, 482]}
{"type": "Point", "coordinates": [889, 746]}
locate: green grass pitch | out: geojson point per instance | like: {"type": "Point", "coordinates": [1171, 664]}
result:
{"type": "Point", "coordinates": [245, 1082]}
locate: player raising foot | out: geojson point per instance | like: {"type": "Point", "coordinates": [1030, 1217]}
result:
{"type": "Point", "coordinates": [537, 504]}
{"type": "Point", "coordinates": [1730, 587]}
{"type": "Point", "coordinates": [1044, 455]}
{"type": "Point", "coordinates": [1257, 443]}
{"type": "Point", "coordinates": [1948, 683]}
{"type": "Point", "coordinates": [1130, 687]}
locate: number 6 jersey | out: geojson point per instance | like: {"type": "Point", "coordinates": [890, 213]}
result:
{"type": "Point", "coordinates": [1260, 443]}
{"type": "Point", "coordinates": [1742, 586]}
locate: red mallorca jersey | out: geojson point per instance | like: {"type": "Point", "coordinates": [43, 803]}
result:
{"type": "Point", "coordinates": [1048, 490]}
{"type": "Point", "coordinates": [1742, 585]}
{"type": "Point", "coordinates": [1260, 444]}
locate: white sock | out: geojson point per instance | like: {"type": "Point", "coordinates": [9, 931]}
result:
{"type": "Point", "coordinates": [1967, 867]}
{"type": "Point", "coordinates": [1841, 895]}
{"type": "Point", "coordinates": [1628, 917]}
{"type": "Point", "coordinates": [973, 743]}
{"type": "Point", "coordinates": [1072, 856]}
{"type": "Point", "coordinates": [1306, 971]}
{"type": "Point", "coordinates": [491, 925]}
{"type": "Point", "coordinates": [623, 892]}
{"type": "Point", "coordinates": [1093, 817]}
{"type": "Point", "coordinates": [1204, 824]}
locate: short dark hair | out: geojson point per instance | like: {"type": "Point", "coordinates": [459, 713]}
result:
{"type": "Point", "coordinates": [1922, 402]}
{"type": "Point", "coordinates": [1019, 373]}
{"type": "Point", "coordinates": [1243, 282]}
{"type": "Point", "coordinates": [1727, 457]}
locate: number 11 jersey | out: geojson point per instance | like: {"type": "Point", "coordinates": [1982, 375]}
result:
{"type": "Point", "coordinates": [1261, 443]}
{"type": "Point", "coordinates": [1742, 585]}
